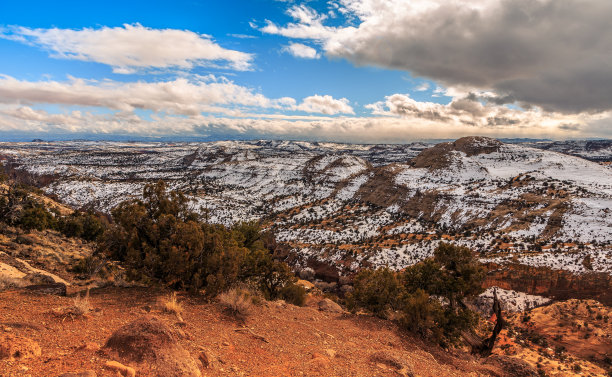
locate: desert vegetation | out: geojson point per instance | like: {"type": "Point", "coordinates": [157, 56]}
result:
{"type": "Point", "coordinates": [160, 240]}
{"type": "Point", "coordinates": [426, 298]}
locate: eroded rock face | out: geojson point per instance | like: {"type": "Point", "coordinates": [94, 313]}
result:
{"type": "Point", "coordinates": [150, 343]}
{"type": "Point", "coordinates": [558, 284]}
{"type": "Point", "coordinates": [14, 347]}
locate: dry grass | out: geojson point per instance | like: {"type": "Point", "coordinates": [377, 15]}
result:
{"type": "Point", "coordinates": [81, 305]}
{"type": "Point", "coordinates": [238, 301]}
{"type": "Point", "coordinates": [172, 305]}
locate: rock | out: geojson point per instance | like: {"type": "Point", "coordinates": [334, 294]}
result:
{"type": "Point", "coordinates": [204, 359]}
{"type": "Point", "coordinates": [512, 366]}
{"type": "Point", "coordinates": [124, 370]}
{"type": "Point", "coordinates": [327, 305]}
{"type": "Point", "coordinates": [306, 284]}
{"type": "Point", "coordinates": [331, 353]}
{"type": "Point", "coordinates": [14, 347]}
{"type": "Point", "coordinates": [319, 361]}
{"type": "Point", "coordinates": [39, 279]}
{"type": "Point", "coordinates": [391, 361]}
{"type": "Point", "coordinates": [149, 342]}
{"type": "Point", "coordinates": [89, 346]}
{"type": "Point", "coordinates": [58, 289]}
{"type": "Point", "coordinates": [86, 373]}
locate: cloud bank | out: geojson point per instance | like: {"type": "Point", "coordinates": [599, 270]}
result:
{"type": "Point", "coordinates": [548, 53]}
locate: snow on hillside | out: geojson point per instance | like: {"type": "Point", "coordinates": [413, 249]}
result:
{"type": "Point", "coordinates": [503, 200]}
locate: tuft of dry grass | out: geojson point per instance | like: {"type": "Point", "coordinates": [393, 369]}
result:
{"type": "Point", "coordinates": [238, 301]}
{"type": "Point", "coordinates": [81, 305]}
{"type": "Point", "coordinates": [172, 305]}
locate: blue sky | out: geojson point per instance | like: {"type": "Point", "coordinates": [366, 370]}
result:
{"type": "Point", "coordinates": [340, 70]}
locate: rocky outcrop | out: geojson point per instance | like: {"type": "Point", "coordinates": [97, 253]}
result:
{"type": "Point", "coordinates": [558, 284]}
{"type": "Point", "coordinates": [438, 156]}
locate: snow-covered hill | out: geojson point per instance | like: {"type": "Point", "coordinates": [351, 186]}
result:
{"type": "Point", "coordinates": [354, 205]}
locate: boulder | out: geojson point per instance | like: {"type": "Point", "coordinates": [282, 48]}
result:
{"type": "Point", "coordinates": [155, 346]}
{"type": "Point", "coordinates": [327, 305]}
{"type": "Point", "coordinates": [14, 347]}
{"type": "Point", "coordinates": [306, 284]}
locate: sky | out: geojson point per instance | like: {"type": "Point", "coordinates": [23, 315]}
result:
{"type": "Point", "coordinates": [366, 71]}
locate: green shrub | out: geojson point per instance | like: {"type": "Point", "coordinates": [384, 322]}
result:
{"type": "Point", "coordinates": [293, 294]}
{"type": "Point", "coordinates": [36, 216]}
{"type": "Point", "coordinates": [378, 291]}
{"type": "Point", "coordinates": [85, 225]}
{"type": "Point", "coordinates": [426, 297]}
{"type": "Point", "coordinates": [421, 313]}
{"type": "Point", "coordinates": [160, 240]}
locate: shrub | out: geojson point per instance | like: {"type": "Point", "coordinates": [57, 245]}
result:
{"type": "Point", "coordinates": [420, 313]}
{"type": "Point", "coordinates": [160, 240]}
{"type": "Point", "coordinates": [91, 265]}
{"type": "Point", "coordinates": [85, 225]}
{"type": "Point", "coordinates": [293, 294]}
{"type": "Point", "coordinates": [378, 291]}
{"type": "Point", "coordinates": [237, 301]}
{"type": "Point", "coordinates": [36, 216]}
{"type": "Point", "coordinates": [428, 296]}
{"type": "Point", "coordinates": [81, 305]}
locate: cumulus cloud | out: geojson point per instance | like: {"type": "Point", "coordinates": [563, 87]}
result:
{"type": "Point", "coordinates": [325, 105]}
{"type": "Point", "coordinates": [470, 110]}
{"type": "Point", "coordinates": [301, 51]}
{"type": "Point", "coordinates": [548, 53]}
{"type": "Point", "coordinates": [132, 47]}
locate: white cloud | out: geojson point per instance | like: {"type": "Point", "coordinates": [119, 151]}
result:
{"type": "Point", "coordinates": [180, 96]}
{"type": "Point", "coordinates": [549, 53]}
{"type": "Point", "coordinates": [468, 110]}
{"type": "Point", "coordinates": [132, 47]}
{"type": "Point", "coordinates": [205, 94]}
{"type": "Point", "coordinates": [348, 129]}
{"type": "Point", "coordinates": [301, 51]}
{"type": "Point", "coordinates": [325, 105]}
{"type": "Point", "coordinates": [423, 87]}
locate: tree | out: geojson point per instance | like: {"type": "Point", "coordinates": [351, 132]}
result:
{"type": "Point", "coordinates": [453, 274]}
{"type": "Point", "coordinates": [378, 291]}
{"type": "Point", "coordinates": [161, 241]}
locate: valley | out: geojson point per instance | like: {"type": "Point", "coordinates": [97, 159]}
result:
{"type": "Point", "coordinates": [346, 206]}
